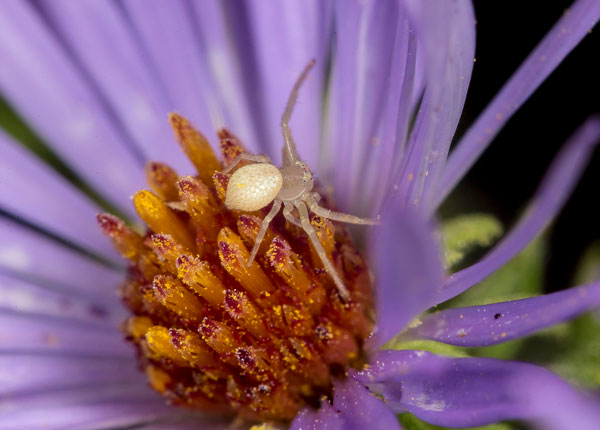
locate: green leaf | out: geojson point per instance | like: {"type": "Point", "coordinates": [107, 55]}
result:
{"type": "Point", "coordinates": [427, 345]}
{"type": "Point", "coordinates": [521, 277]}
{"type": "Point", "coordinates": [588, 269]}
{"type": "Point", "coordinates": [410, 422]}
{"type": "Point", "coordinates": [463, 233]}
{"type": "Point", "coordinates": [572, 349]}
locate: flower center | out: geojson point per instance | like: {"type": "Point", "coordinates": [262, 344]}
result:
{"type": "Point", "coordinates": [212, 333]}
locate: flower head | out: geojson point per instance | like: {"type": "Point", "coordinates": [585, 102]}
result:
{"type": "Point", "coordinates": [375, 123]}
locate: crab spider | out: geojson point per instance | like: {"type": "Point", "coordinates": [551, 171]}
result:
{"type": "Point", "coordinates": [254, 186]}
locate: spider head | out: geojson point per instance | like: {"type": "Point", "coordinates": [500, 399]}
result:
{"type": "Point", "coordinates": [297, 179]}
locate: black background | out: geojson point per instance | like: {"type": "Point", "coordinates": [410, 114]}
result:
{"type": "Point", "coordinates": [508, 173]}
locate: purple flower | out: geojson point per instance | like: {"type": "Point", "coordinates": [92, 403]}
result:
{"type": "Point", "coordinates": [96, 79]}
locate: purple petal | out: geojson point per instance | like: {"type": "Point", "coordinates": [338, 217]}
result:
{"type": "Point", "coordinates": [386, 153]}
{"type": "Point", "coordinates": [29, 333]}
{"type": "Point", "coordinates": [554, 190]}
{"type": "Point", "coordinates": [326, 418]}
{"type": "Point", "coordinates": [47, 88]}
{"type": "Point", "coordinates": [499, 322]}
{"type": "Point", "coordinates": [365, 37]}
{"type": "Point", "coordinates": [361, 409]}
{"type": "Point", "coordinates": [28, 254]}
{"type": "Point", "coordinates": [575, 23]}
{"type": "Point", "coordinates": [446, 32]}
{"type": "Point", "coordinates": [229, 76]}
{"type": "Point", "coordinates": [54, 300]}
{"type": "Point", "coordinates": [23, 374]}
{"type": "Point", "coordinates": [285, 36]}
{"type": "Point", "coordinates": [466, 392]}
{"type": "Point", "coordinates": [409, 271]}
{"type": "Point", "coordinates": [30, 190]}
{"type": "Point", "coordinates": [95, 407]}
{"type": "Point", "coordinates": [99, 36]}
{"type": "Point", "coordinates": [167, 35]}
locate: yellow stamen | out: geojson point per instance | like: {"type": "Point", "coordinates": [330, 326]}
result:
{"type": "Point", "coordinates": [195, 145]}
{"type": "Point", "coordinates": [160, 218]}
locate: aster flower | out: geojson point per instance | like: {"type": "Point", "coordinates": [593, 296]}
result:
{"type": "Point", "coordinates": [96, 79]}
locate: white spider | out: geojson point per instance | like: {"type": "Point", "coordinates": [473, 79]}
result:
{"type": "Point", "coordinates": [254, 186]}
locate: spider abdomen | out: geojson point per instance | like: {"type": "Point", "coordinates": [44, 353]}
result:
{"type": "Point", "coordinates": [253, 187]}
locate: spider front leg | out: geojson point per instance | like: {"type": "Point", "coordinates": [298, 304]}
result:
{"type": "Point", "coordinates": [312, 234]}
{"type": "Point", "coordinates": [335, 216]}
{"type": "Point", "coordinates": [287, 213]}
{"type": "Point", "coordinates": [263, 229]}
{"type": "Point", "coordinates": [246, 157]}
{"type": "Point", "coordinates": [289, 155]}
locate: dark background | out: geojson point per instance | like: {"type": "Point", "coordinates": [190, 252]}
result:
{"type": "Point", "coordinates": [508, 173]}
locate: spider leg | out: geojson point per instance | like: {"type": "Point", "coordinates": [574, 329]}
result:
{"type": "Point", "coordinates": [290, 156]}
{"type": "Point", "coordinates": [287, 213]}
{"type": "Point", "coordinates": [246, 157]}
{"type": "Point", "coordinates": [310, 231]}
{"type": "Point", "coordinates": [263, 229]}
{"type": "Point", "coordinates": [336, 216]}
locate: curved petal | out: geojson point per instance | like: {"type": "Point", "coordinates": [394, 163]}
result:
{"type": "Point", "coordinates": [233, 84]}
{"type": "Point", "coordinates": [284, 37]}
{"type": "Point", "coordinates": [21, 296]}
{"type": "Point", "coordinates": [42, 82]}
{"type": "Point", "coordinates": [365, 39]}
{"type": "Point", "coordinates": [384, 157]}
{"type": "Point", "coordinates": [26, 374]}
{"type": "Point", "coordinates": [575, 23]}
{"type": "Point", "coordinates": [446, 32]}
{"type": "Point", "coordinates": [30, 333]}
{"type": "Point", "coordinates": [407, 262]}
{"type": "Point", "coordinates": [32, 256]}
{"type": "Point", "coordinates": [100, 39]}
{"type": "Point", "coordinates": [93, 407]}
{"type": "Point", "coordinates": [499, 322]}
{"type": "Point", "coordinates": [361, 409]}
{"type": "Point", "coordinates": [166, 34]}
{"type": "Point", "coordinates": [467, 392]}
{"type": "Point", "coordinates": [554, 190]}
{"type": "Point", "coordinates": [30, 190]}
{"type": "Point", "coordinates": [326, 418]}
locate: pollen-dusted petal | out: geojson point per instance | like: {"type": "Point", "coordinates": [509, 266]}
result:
{"type": "Point", "coordinates": [192, 348]}
{"type": "Point", "coordinates": [159, 343]}
{"type": "Point", "coordinates": [273, 402]}
{"type": "Point", "coordinates": [288, 265]}
{"type": "Point", "coordinates": [198, 276]}
{"type": "Point", "coordinates": [129, 244]}
{"type": "Point", "coordinates": [309, 362]}
{"type": "Point", "coordinates": [220, 182]}
{"type": "Point", "coordinates": [248, 226]}
{"type": "Point", "coordinates": [324, 230]}
{"type": "Point", "coordinates": [196, 147]}
{"type": "Point", "coordinates": [229, 145]}
{"type": "Point", "coordinates": [200, 204]}
{"type": "Point", "coordinates": [255, 362]}
{"type": "Point", "coordinates": [245, 313]}
{"type": "Point", "coordinates": [220, 338]}
{"type": "Point", "coordinates": [336, 344]}
{"type": "Point", "coordinates": [166, 249]}
{"type": "Point", "coordinates": [161, 179]}
{"type": "Point", "coordinates": [176, 297]}
{"type": "Point", "coordinates": [161, 218]}
{"type": "Point", "coordinates": [137, 327]}
{"type": "Point", "coordinates": [234, 257]}
{"type": "Point", "coordinates": [158, 378]}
